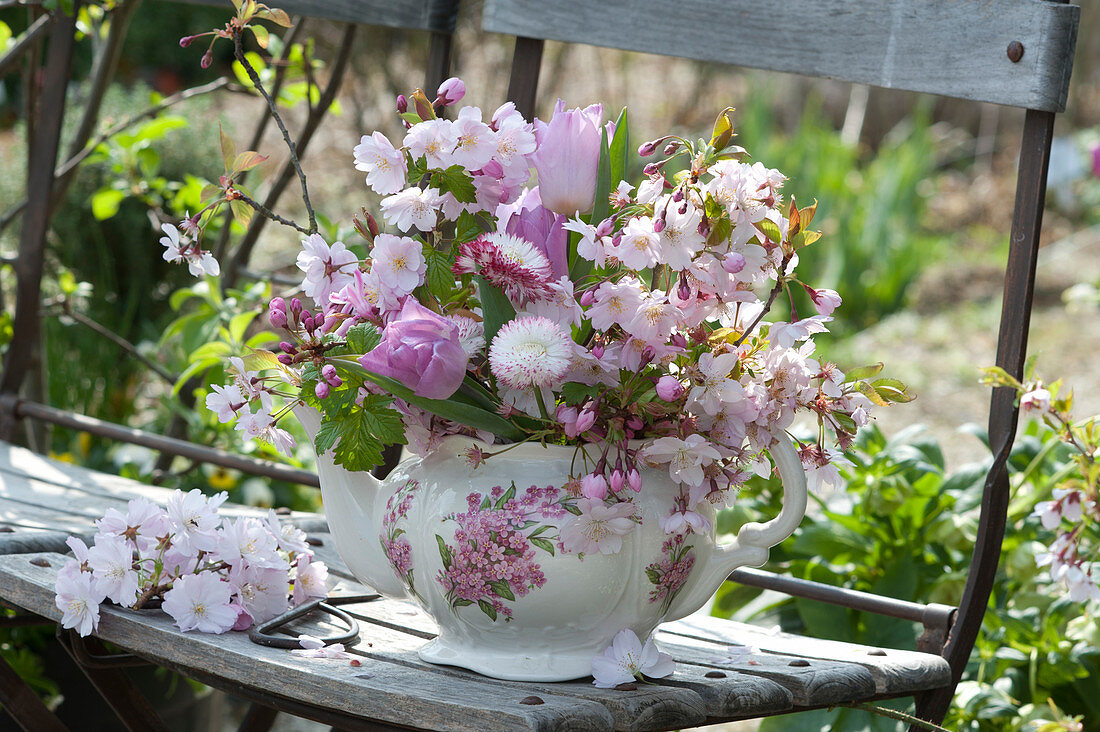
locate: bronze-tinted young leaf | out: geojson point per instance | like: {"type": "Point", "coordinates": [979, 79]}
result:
{"type": "Point", "coordinates": [794, 218]}
{"type": "Point", "coordinates": [229, 149]}
{"type": "Point", "coordinates": [261, 34]}
{"type": "Point", "coordinates": [275, 15]}
{"type": "Point", "coordinates": [246, 161]}
{"type": "Point", "coordinates": [996, 376]}
{"type": "Point", "coordinates": [722, 132]}
{"type": "Point", "coordinates": [242, 212]}
{"type": "Point", "coordinates": [863, 372]}
{"type": "Point", "coordinates": [807, 214]}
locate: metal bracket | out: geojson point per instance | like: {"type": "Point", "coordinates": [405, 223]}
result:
{"type": "Point", "coordinates": [80, 649]}
{"type": "Point", "coordinates": [265, 633]}
{"type": "Point", "coordinates": [937, 620]}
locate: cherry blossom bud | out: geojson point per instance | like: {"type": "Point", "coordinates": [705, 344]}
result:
{"type": "Point", "coordinates": [647, 356]}
{"type": "Point", "coordinates": [287, 347]}
{"type": "Point", "coordinates": [187, 41]}
{"type": "Point", "coordinates": [825, 301]}
{"type": "Point", "coordinates": [277, 317]}
{"type": "Point", "coordinates": [207, 59]}
{"type": "Point", "coordinates": [451, 91]}
{"type": "Point", "coordinates": [671, 147]}
{"type": "Point", "coordinates": [669, 388]}
{"type": "Point", "coordinates": [618, 480]}
{"type": "Point", "coordinates": [678, 340]}
{"type": "Point", "coordinates": [683, 290]}
{"type": "Point", "coordinates": [651, 168]}
{"type": "Point", "coordinates": [422, 105]}
{"type": "Point", "coordinates": [597, 350]}
{"type": "Point", "coordinates": [648, 148]}
{"type": "Point", "coordinates": [285, 359]}
{"type": "Point", "coordinates": [308, 323]}
{"type": "Point", "coordinates": [683, 208]}
{"type": "Point", "coordinates": [678, 195]}
{"type": "Point", "coordinates": [587, 298]}
{"type": "Point", "coordinates": [635, 422]}
{"type": "Point", "coordinates": [585, 420]}
{"type": "Point", "coordinates": [594, 486]}
{"type": "Point", "coordinates": [605, 227]}
{"type": "Point", "coordinates": [734, 262]}
{"type": "Point", "coordinates": [296, 307]}
{"type": "Point", "coordinates": [634, 480]}
{"type": "Point", "coordinates": [659, 225]}
{"type": "Point", "coordinates": [328, 372]}
{"type": "Point", "coordinates": [321, 390]}
{"type": "Point", "coordinates": [402, 104]}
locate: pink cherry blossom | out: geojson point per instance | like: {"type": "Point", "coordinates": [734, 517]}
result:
{"type": "Point", "coordinates": [475, 142]}
{"type": "Point", "coordinates": [78, 599]}
{"type": "Point", "coordinates": [112, 562]}
{"type": "Point", "coordinates": [398, 264]}
{"type": "Point", "coordinates": [201, 602]}
{"type": "Point", "coordinates": [310, 579]}
{"type": "Point", "coordinates": [412, 208]}
{"type": "Point", "coordinates": [383, 163]}
{"type": "Point", "coordinates": [627, 659]}
{"type": "Point", "coordinates": [435, 141]}
{"type": "Point", "coordinates": [327, 268]}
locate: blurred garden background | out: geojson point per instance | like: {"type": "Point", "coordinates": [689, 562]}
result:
{"type": "Point", "coordinates": [915, 201]}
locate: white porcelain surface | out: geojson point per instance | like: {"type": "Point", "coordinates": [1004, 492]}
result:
{"type": "Point", "coordinates": [563, 610]}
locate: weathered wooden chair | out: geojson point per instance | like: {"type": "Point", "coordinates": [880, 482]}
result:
{"type": "Point", "coordinates": [1017, 53]}
{"type": "Point", "coordinates": [1013, 52]}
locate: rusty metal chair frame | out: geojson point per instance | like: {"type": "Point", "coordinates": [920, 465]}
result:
{"type": "Point", "coordinates": [951, 632]}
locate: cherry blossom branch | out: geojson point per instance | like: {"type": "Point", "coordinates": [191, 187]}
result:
{"type": "Point", "coordinates": [118, 341]}
{"type": "Point", "coordinates": [265, 211]}
{"type": "Point", "coordinates": [255, 78]}
{"type": "Point", "coordinates": [779, 285]}
{"type": "Point", "coordinates": [898, 715]}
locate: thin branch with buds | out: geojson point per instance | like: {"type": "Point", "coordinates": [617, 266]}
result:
{"type": "Point", "coordinates": [255, 78]}
{"type": "Point", "coordinates": [265, 211]}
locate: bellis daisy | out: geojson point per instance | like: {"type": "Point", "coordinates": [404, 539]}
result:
{"type": "Point", "coordinates": [530, 352]}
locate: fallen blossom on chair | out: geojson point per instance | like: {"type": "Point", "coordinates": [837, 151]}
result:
{"type": "Point", "coordinates": [316, 648]}
{"type": "Point", "coordinates": [627, 659]}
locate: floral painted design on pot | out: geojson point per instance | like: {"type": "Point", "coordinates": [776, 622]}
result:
{"type": "Point", "coordinates": [496, 567]}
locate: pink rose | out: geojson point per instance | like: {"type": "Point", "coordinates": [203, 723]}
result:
{"type": "Point", "coordinates": [421, 350]}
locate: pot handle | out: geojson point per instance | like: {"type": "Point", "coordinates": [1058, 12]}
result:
{"type": "Point", "coordinates": [750, 547]}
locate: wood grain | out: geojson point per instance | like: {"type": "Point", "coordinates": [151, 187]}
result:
{"type": "Point", "coordinates": [895, 672]}
{"type": "Point", "coordinates": [955, 49]}
{"type": "Point", "coordinates": [379, 688]}
{"type": "Point", "coordinates": [430, 15]}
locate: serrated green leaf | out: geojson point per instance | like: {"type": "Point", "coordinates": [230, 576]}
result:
{"type": "Point", "coordinates": [261, 360]}
{"type": "Point", "coordinates": [355, 433]}
{"type": "Point", "coordinates": [770, 230]}
{"type": "Point", "coordinates": [438, 276]}
{"type": "Point", "coordinates": [362, 338]}
{"type": "Point", "coordinates": [457, 182]}
{"type": "Point", "coordinates": [574, 393]}
{"type": "Point", "coordinates": [467, 227]}
{"type": "Point", "coordinates": [654, 575]}
{"type": "Point", "coordinates": [571, 508]}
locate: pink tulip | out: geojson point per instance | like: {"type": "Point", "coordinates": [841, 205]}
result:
{"type": "Point", "coordinates": [421, 350]}
{"type": "Point", "coordinates": [567, 157]}
{"type": "Point", "coordinates": [528, 219]}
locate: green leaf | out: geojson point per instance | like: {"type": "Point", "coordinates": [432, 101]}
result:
{"type": "Point", "coordinates": [770, 230]}
{"type": "Point", "coordinates": [466, 414]}
{"type": "Point", "coordinates": [462, 602]}
{"type": "Point", "coordinates": [863, 372]}
{"type": "Point", "coordinates": [545, 544]}
{"type": "Point", "coordinates": [505, 497]}
{"type": "Point", "coordinates": [722, 132]}
{"type": "Point", "coordinates": [496, 308]}
{"type": "Point", "coordinates": [654, 575]}
{"type": "Point", "coordinates": [487, 608]}
{"type": "Point", "coordinates": [239, 324]}
{"type": "Point", "coordinates": [444, 552]}
{"type": "Point", "coordinates": [439, 278]}
{"type": "Point", "coordinates": [362, 338]}
{"type": "Point", "coordinates": [456, 181]}
{"type": "Point", "coordinates": [618, 151]}
{"type": "Point", "coordinates": [229, 148]}
{"type": "Point", "coordinates": [242, 212]}
{"type": "Point", "coordinates": [574, 393]}
{"type": "Point", "coordinates": [356, 434]}
{"type": "Point", "coordinates": [467, 227]}
{"type": "Point", "coordinates": [105, 203]}
{"type": "Point", "coordinates": [262, 36]}
{"type": "Point", "coordinates": [501, 589]}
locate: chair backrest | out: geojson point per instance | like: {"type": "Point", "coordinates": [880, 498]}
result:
{"type": "Point", "coordinates": [1012, 52]}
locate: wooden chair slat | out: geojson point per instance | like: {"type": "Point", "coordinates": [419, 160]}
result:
{"type": "Point", "coordinates": [899, 44]}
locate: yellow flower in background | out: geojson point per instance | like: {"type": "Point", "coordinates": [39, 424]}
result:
{"type": "Point", "coordinates": [221, 479]}
{"type": "Point", "coordinates": [65, 457]}
{"type": "Point", "coordinates": [84, 443]}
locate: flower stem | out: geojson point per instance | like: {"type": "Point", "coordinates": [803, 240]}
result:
{"type": "Point", "coordinates": [900, 716]}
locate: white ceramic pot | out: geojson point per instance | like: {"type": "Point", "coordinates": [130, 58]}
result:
{"type": "Point", "coordinates": [480, 551]}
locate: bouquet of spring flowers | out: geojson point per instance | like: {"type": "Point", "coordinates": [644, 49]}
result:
{"type": "Point", "coordinates": [523, 289]}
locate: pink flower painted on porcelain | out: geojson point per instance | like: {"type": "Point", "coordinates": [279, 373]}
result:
{"type": "Point", "coordinates": [627, 659]}
{"type": "Point", "coordinates": [598, 527]}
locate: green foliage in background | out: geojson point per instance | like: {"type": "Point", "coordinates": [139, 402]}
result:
{"type": "Point", "coordinates": [905, 528]}
{"type": "Point", "coordinates": [871, 205]}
